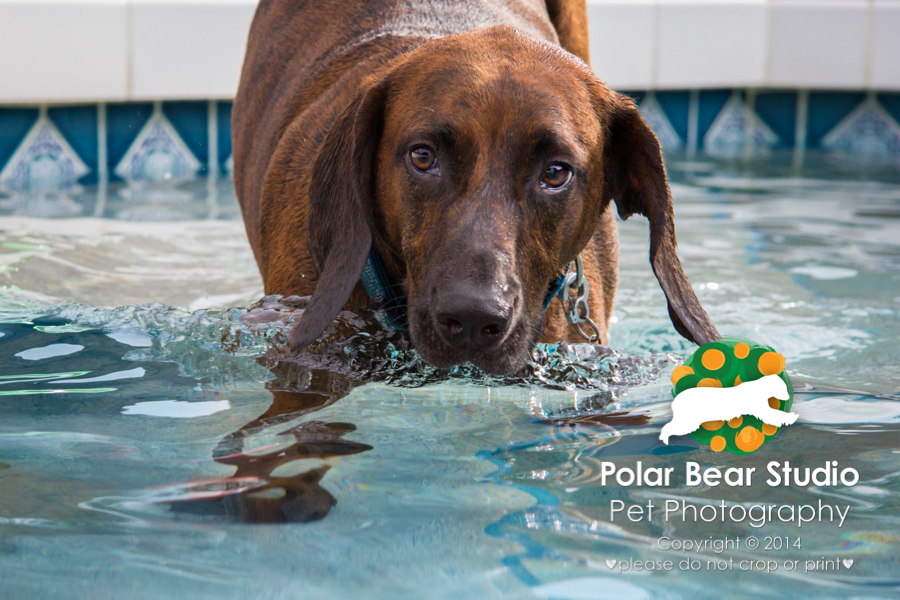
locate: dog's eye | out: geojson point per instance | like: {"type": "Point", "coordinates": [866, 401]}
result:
{"type": "Point", "coordinates": [422, 158]}
{"type": "Point", "coordinates": [556, 176]}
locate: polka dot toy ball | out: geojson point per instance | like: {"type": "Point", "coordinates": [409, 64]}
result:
{"type": "Point", "coordinates": [728, 363]}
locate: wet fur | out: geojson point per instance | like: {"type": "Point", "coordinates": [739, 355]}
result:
{"type": "Point", "coordinates": [327, 94]}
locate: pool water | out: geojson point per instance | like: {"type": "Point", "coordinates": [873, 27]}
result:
{"type": "Point", "coordinates": [150, 449]}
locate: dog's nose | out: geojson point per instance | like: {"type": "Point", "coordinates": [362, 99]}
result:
{"type": "Point", "coordinates": [471, 319]}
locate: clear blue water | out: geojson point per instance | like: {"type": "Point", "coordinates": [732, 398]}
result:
{"type": "Point", "coordinates": [147, 452]}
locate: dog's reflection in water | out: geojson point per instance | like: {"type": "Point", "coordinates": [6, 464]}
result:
{"type": "Point", "coordinates": [290, 499]}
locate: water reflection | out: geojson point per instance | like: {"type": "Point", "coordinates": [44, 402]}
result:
{"type": "Point", "coordinates": [255, 493]}
{"type": "Point", "coordinates": [270, 483]}
{"type": "Point", "coordinates": [296, 498]}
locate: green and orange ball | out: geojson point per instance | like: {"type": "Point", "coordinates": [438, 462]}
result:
{"type": "Point", "coordinates": [727, 363]}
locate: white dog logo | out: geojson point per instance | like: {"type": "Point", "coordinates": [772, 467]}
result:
{"type": "Point", "coordinates": [695, 406]}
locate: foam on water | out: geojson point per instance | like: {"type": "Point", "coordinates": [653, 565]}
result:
{"type": "Point", "coordinates": [354, 345]}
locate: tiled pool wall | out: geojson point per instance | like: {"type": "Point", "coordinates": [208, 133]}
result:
{"type": "Point", "coordinates": [54, 149]}
{"type": "Point", "coordinates": [121, 50]}
{"type": "Point", "coordinates": [50, 149]}
{"type": "Point", "coordinates": [97, 92]}
{"type": "Point", "coordinates": [733, 124]}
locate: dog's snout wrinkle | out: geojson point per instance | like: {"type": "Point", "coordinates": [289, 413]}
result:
{"type": "Point", "coordinates": [479, 262]}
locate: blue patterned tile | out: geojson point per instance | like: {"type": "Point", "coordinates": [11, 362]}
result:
{"type": "Point", "coordinates": [675, 105]}
{"type": "Point", "coordinates": [779, 111]}
{"type": "Point", "coordinates": [44, 162]}
{"type": "Point", "coordinates": [711, 103]}
{"type": "Point", "coordinates": [175, 142]}
{"type": "Point", "coordinates": [78, 124]}
{"type": "Point", "coordinates": [14, 125]}
{"type": "Point", "coordinates": [190, 120]}
{"type": "Point", "coordinates": [826, 110]}
{"type": "Point", "coordinates": [123, 123]}
{"type": "Point", "coordinates": [727, 137]}
{"type": "Point", "coordinates": [158, 154]}
{"type": "Point", "coordinates": [224, 114]}
{"type": "Point", "coordinates": [656, 118]}
{"type": "Point", "coordinates": [891, 103]}
{"type": "Point", "coordinates": [868, 130]}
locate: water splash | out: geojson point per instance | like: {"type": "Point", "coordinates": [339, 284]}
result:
{"type": "Point", "coordinates": [356, 346]}
{"type": "Point", "coordinates": [207, 342]}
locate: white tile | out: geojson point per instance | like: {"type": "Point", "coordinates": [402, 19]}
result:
{"type": "Point", "coordinates": [884, 65]}
{"type": "Point", "coordinates": [191, 49]}
{"type": "Point", "coordinates": [63, 51]}
{"type": "Point", "coordinates": [711, 44]}
{"type": "Point", "coordinates": [818, 44]}
{"type": "Point", "coordinates": [622, 44]}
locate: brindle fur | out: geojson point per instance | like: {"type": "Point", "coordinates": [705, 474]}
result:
{"type": "Point", "coordinates": [333, 93]}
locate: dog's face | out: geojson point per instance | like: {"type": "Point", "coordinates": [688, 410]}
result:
{"type": "Point", "coordinates": [488, 181]}
{"type": "Point", "coordinates": [479, 166]}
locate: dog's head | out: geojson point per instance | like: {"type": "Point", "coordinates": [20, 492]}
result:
{"type": "Point", "coordinates": [479, 165]}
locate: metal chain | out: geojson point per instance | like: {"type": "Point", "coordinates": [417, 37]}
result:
{"type": "Point", "coordinates": [576, 308]}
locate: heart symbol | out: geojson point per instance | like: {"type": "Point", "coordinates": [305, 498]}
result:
{"type": "Point", "coordinates": [611, 562]}
{"type": "Point", "coordinates": [848, 562]}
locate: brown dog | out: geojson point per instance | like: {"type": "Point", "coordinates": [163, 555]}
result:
{"type": "Point", "coordinates": [469, 146]}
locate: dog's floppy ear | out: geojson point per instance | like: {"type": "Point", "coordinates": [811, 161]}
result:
{"type": "Point", "coordinates": [339, 214]}
{"type": "Point", "coordinates": [636, 180]}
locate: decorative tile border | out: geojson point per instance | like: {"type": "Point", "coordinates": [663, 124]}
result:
{"type": "Point", "coordinates": [738, 131]}
{"type": "Point", "coordinates": [44, 162]}
{"type": "Point", "coordinates": [53, 150]}
{"type": "Point", "coordinates": [158, 154]}
{"type": "Point", "coordinates": [656, 117]}
{"type": "Point", "coordinates": [753, 123]}
{"type": "Point", "coordinates": [869, 129]}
